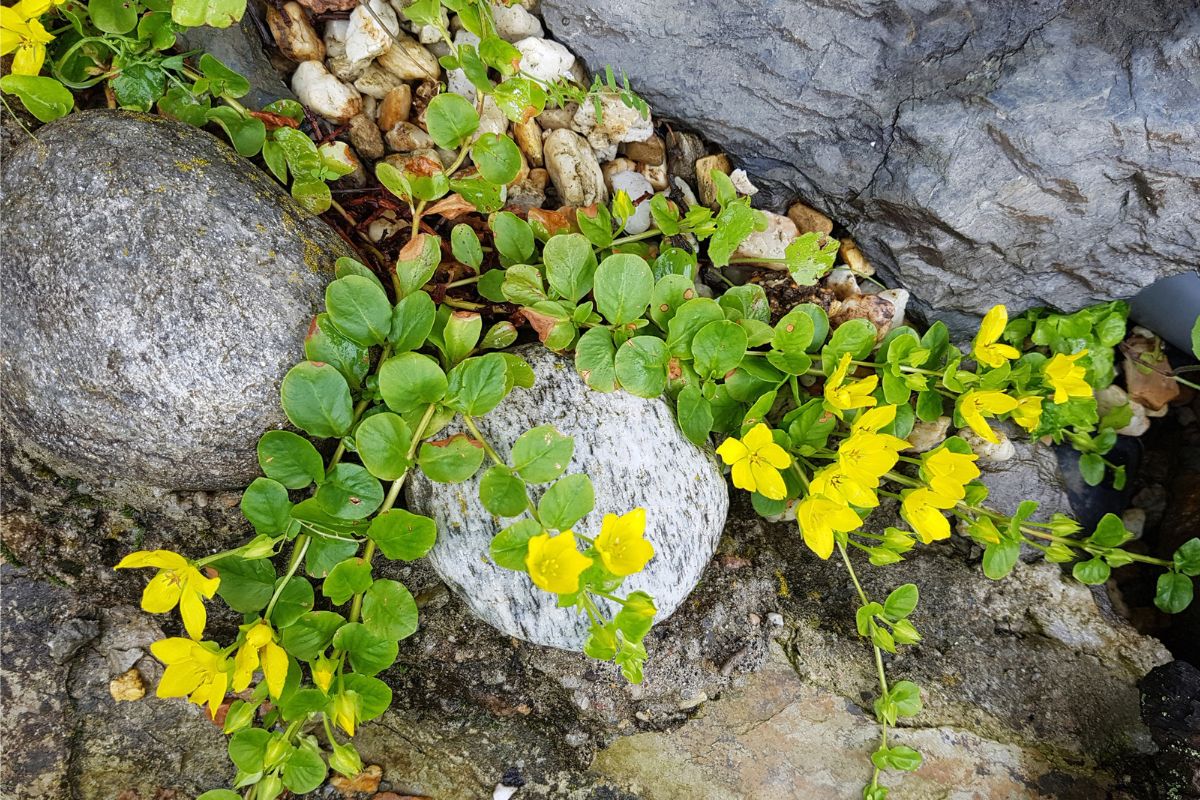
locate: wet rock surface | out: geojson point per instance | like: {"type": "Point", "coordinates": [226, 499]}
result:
{"type": "Point", "coordinates": [981, 152]}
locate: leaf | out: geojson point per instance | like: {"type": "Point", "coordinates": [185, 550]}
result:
{"type": "Point", "coordinates": [1187, 557]}
{"type": "Point", "coordinates": [411, 381]}
{"type": "Point", "coordinates": [450, 119]}
{"type": "Point", "coordinates": [794, 332]}
{"type": "Point", "coordinates": [248, 747]}
{"type": "Point", "coordinates": [513, 237]}
{"type": "Point", "coordinates": [290, 459]}
{"type": "Point", "coordinates": [1196, 337]}
{"type": "Point", "coordinates": [374, 695]}
{"type": "Point", "coordinates": [45, 98]}
{"type": "Point", "coordinates": [459, 335]}
{"type": "Point", "coordinates": [464, 243]}
{"type": "Point", "coordinates": [402, 535]}
{"type": "Point", "coordinates": [383, 441]}
{"type": "Point", "coordinates": [417, 262]}
{"type": "Point", "coordinates": [595, 359]}
{"type": "Point", "coordinates": [1091, 467]}
{"type": "Point", "coordinates": [510, 546]}
{"type": "Point", "coordinates": [623, 285]}
{"type": "Point", "coordinates": [1093, 571]}
{"type": "Point", "coordinates": [304, 771]}
{"type": "Point", "coordinates": [369, 653]}
{"type": "Point", "coordinates": [541, 454]}
{"type": "Point", "coordinates": [295, 599]}
{"type": "Point", "coordinates": [907, 697]}
{"type": "Point", "coordinates": [312, 195]}
{"type": "Point", "coordinates": [520, 99]}
{"type": "Point", "coordinates": [688, 320]}
{"type": "Point", "coordinates": [570, 265]}
{"type": "Point", "coordinates": [810, 256]}
{"type": "Point", "coordinates": [567, 501]}
{"type": "Point", "coordinates": [219, 80]}
{"type": "Point", "coordinates": [265, 503]}
{"type": "Point", "coordinates": [503, 493]}
{"type": "Point", "coordinates": [1110, 532]}
{"type": "Point", "coordinates": [139, 86]}
{"type": "Point", "coordinates": [325, 343]}
{"type": "Point", "coordinates": [694, 414]}
{"type": "Point", "coordinates": [412, 321]}
{"type": "Point", "coordinates": [360, 309]}
{"type": "Point", "coordinates": [246, 133]}
{"type": "Point", "coordinates": [734, 223]}
{"type": "Point", "coordinates": [477, 385]}
{"type": "Point", "coordinates": [389, 610]}
{"type": "Point", "coordinates": [1173, 592]}
{"type": "Point", "coordinates": [497, 157]}
{"type": "Point", "coordinates": [346, 580]}
{"type": "Point", "coordinates": [349, 492]}
{"type": "Point", "coordinates": [183, 106]}
{"type": "Point", "coordinates": [484, 196]}
{"type": "Point", "coordinates": [311, 633]}
{"type": "Point", "coordinates": [214, 13]}
{"type": "Point", "coordinates": [113, 16]}
{"type": "Point", "coordinates": [855, 336]}
{"type": "Point", "coordinates": [246, 584]}
{"type": "Point", "coordinates": [641, 366]}
{"type": "Point", "coordinates": [901, 602]}
{"type": "Point", "coordinates": [718, 348]}
{"type": "Point", "coordinates": [324, 554]}
{"type": "Point", "coordinates": [999, 558]}
{"type": "Point", "coordinates": [451, 460]}
{"type": "Point", "coordinates": [748, 301]}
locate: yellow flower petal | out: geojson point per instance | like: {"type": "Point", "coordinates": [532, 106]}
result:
{"type": "Point", "coordinates": [774, 455]}
{"type": "Point", "coordinates": [28, 59]}
{"type": "Point", "coordinates": [163, 559]}
{"type": "Point", "coordinates": [767, 480]}
{"type": "Point", "coordinates": [875, 419]}
{"type": "Point", "coordinates": [743, 478]}
{"type": "Point", "coordinates": [274, 667]}
{"type": "Point", "coordinates": [162, 592]}
{"type": "Point", "coordinates": [245, 662]}
{"type": "Point", "coordinates": [731, 451]}
{"type": "Point", "coordinates": [191, 609]}
{"type": "Point", "coordinates": [555, 563]}
{"type": "Point", "coordinates": [180, 680]}
{"type": "Point", "coordinates": [173, 650]}
{"type": "Point", "coordinates": [622, 545]}
{"type": "Point", "coordinates": [757, 437]}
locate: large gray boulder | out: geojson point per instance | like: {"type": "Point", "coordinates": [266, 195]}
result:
{"type": "Point", "coordinates": [635, 455]}
{"type": "Point", "coordinates": [979, 151]}
{"type": "Point", "coordinates": [157, 288]}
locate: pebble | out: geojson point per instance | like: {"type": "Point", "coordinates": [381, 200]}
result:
{"type": "Point", "coordinates": [528, 135]}
{"type": "Point", "coordinates": [874, 308]}
{"type": "Point", "coordinates": [899, 299]}
{"type": "Point", "coordinates": [372, 25]}
{"type": "Point", "coordinates": [492, 120]}
{"type": "Point", "coordinates": [639, 191]}
{"type": "Point", "coordinates": [324, 94]}
{"type": "Point", "coordinates": [683, 151]}
{"type": "Point", "coordinates": [502, 792]}
{"type": "Point", "coordinates": [395, 107]}
{"type": "Point", "coordinates": [809, 219]}
{"type": "Point", "coordinates": [704, 181]}
{"type": "Point", "coordinates": [656, 174]}
{"type": "Point", "coordinates": [989, 452]}
{"type": "Point", "coordinates": [610, 168]}
{"type": "Point", "coordinates": [651, 150]}
{"type": "Point", "coordinates": [404, 137]}
{"type": "Point", "coordinates": [853, 258]}
{"type": "Point", "coordinates": [335, 52]}
{"type": "Point", "coordinates": [294, 34]}
{"type": "Point", "coordinates": [693, 702]}
{"type": "Point", "coordinates": [543, 59]}
{"type": "Point", "coordinates": [1134, 520]}
{"type": "Point", "coordinates": [573, 169]}
{"type": "Point", "coordinates": [741, 182]}
{"type": "Point", "coordinates": [925, 436]}
{"type": "Point", "coordinates": [775, 618]}
{"type": "Point", "coordinates": [551, 119]}
{"type": "Point", "coordinates": [514, 23]}
{"type": "Point", "coordinates": [127, 687]}
{"type": "Point", "coordinates": [615, 124]}
{"type": "Point", "coordinates": [365, 137]}
{"type": "Point", "coordinates": [529, 193]}
{"type": "Point", "coordinates": [769, 243]}
{"type": "Point", "coordinates": [376, 82]}
{"type": "Point", "coordinates": [422, 162]}
{"type": "Point", "coordinates": [1139, 423]}
{"type": "Point", "coordinates": [842, 283]}
{"type": "Point", "coordinates": [408, 60]}
{"type": "Point", "coordinates": [385, 226]}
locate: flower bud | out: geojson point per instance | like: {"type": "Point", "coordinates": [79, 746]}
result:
{"type": "Point", "coordinates": [322, 673]}
{"type": "Point", "coordinates": [345, 759]}
{"type": "Point", "coordinates": [345, 711]}
{"type": "Point", "coordinates": [270, 787]}
{"type": "Point", "coordinates": [1059, 553]}
{"type": "Point", "coordinates": [278, 749]}
{"type": "Point", "coordinates": [1062, 525]}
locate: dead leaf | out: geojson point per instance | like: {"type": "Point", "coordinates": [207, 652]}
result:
{"type": "Point", "coordinates": [365, 782]}
{"type": "Point", "coordinates": [451, 207]}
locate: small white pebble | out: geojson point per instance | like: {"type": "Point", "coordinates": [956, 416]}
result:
{"type": "Point", "coordinates": [502, 792]}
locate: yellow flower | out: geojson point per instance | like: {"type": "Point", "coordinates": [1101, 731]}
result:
{"type": "Point", "coordinates": [819, 517]}
{"type": "Point", "coordinates": [837, 485]}
{"type": "Point", "coordinates": [177, 582]}
{"type": "Point", "coordinates": [259, 649]}
{"type": "Point", "coordinates": [985, 348]}
{"type": "Point", "coordinates": [974, 405]}
{"type": "Point", "coordinates": [871, 421]}
{"type": "Point", "coordinates": [195, 670]}
{"type": "Point", "coordinates": [622, 545]}
{"type": "Point", "coordinates": [949, 472]}
{"type": "Point", "coordinates": [839, 398]}
{"type": "Point", "coordinates": [554, 563]}
{"type": "Point", "coordinates": [922, 509]}
{"type": "Point", "coordinates": [22, 33]}
{"type": "Point", "coordinates": [756, 461]}
{"type": "Point", "coordinates": [346, 710]}
{"type": "Point", "coordinates": [1028, 412]}
{"type": "Point", "coordinates": [322, 673]}
{"type": "Point", "coordinates": [865, 457]}
{"type": "Point", "coordinates": [1067, 377]}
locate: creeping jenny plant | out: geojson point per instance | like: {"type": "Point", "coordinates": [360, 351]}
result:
{"type": "Point", "coordinates": [813, 420]}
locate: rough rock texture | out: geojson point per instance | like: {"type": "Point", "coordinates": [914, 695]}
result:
{"type": "Point", "coordinates": [1171, 709]}
{"type": "Point", "coordinates": [240, 47]}
{"type": "Point", "coordinates": [635, 455]}
{"type": "Point", "coordinates": [157, 288]}
{"type": "Point", "coordinates": [65, 735]}
{"type": "Point", "coordinates": [981, 152]}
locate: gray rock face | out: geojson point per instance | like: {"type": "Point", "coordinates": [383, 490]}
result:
{"type": "Point", "coordinates": [980, 152]}
{"type": "Point", "coordinates": [157, 288]}
{"type": "Point", "coordinates": [635, 455]}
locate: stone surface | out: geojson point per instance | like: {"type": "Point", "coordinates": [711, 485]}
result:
{"type": "Point", "coordinates": [157, 288]}
{"type": "Point", "coordinates": [240, 47]}
{"type": "Point", "coordinates": [982, 152]}
{"type": "Point", "coordinates": [635, 455]}
{"type": "Point", "coordinates": [1171, 709]}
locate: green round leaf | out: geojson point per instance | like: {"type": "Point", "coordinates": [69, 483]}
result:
{"type": "Point", "coordinates": [311, 633]}
{"type": "Point", "coordinates": [595, 359]}
{"type": "Point", "coordinates": [901, 602]}
{"type": "Point", "coordinates": [451, 460]}
{"type": "Point", "coordinates": [1173, 593]}
{"type": "Point", "coordinates": [1187, 557]}
{"type": "Point", "coordinates": [265, 503]}
{"type": "Point", "coordinates": [477, 385]}
{"type": "Point", "coordinates": [349, 492]}
{"type": "Point", "coordinates": [855, 336]}
{"type": "Point", "coordinates": [570, 265]}
{"type": "Point", "coordinates": [246, 584]}
{"type": "Point", "coordinates": [347, 579]}
{"type": "Point", "coordinates": [304, 771]}
{"type": "Point", "coordinates": [317, 400]}
{"type": "Point", "coordinates": [641, 366]}
{"type": "Point", "coordinates": [1093, 571]}
{"type": "Point", "coordinates": [464, 243]}
{"type": "Point", "coordinates": [326, 344]}
{"type": "Point", "coordinates": [497, 157]}
{"type": "Point", "coordinates": [513, 237]}
{"type": "Point", "coordinates": [671, 292]}
{"type": "Point", "coordinates": [402, 535]}
{"type": "Point", "coordinates": [113, 16]}
{"type": "Point", "coordinates": [290, 459]}
{"type": "Point", "coordinates": [687, 321]}
{"type": "Point", "coordinates": [694, 414]}
{"type": "Point", "coordinates": [623, 285]}
{"type": "Point", "coordinates": [295, 599]}
{"type": "Point", "coordinates": [45, 98]}
{"type": "Point", "coordinates": [450, 119]}
{"type": "Point", "coordinates": [389, 610]}
{"type": "Point", "coordinates": [503, 493]}
{"type": "Point", "coordinates": [373, 694]}
{"type": "Point", "coordinates": [360, 309]}
{"type": "Point", "coordinates": [411, 381]}
{"type": "Point", "coordinates": [248, 747]}
{"type": "Point", "coordinates": [382, 441]}
{"type": "Point", "coordinates": [794, 332]}
{"type": "Point", "coordinates": [510, 546]}
{"type": "Point", "coordinates": [541, 454]}
{"type": "Point", "coordinates": [718, 348]}
{"type": "Point", "coordinates": [369, 653]}
{"type": "Point", "coordinates": [567, 501]}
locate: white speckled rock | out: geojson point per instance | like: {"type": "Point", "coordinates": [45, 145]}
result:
{"type": "Point", "coordinates": [573, 168]}
{"type": "Point", "coordinates": [370, 34]}
{"type": "Point", "coordinates": [514, 23]}
{"type": "Point", "coordinates": [617, 123]}
{"type": "Point", "coordinates": [543, 59]}
{"type": "Point", "coordinates": [324, 93]}
{"type": "Point", "coordinates": [635, 455]}
{"type": "Point", "coordinates": [639, 190]}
